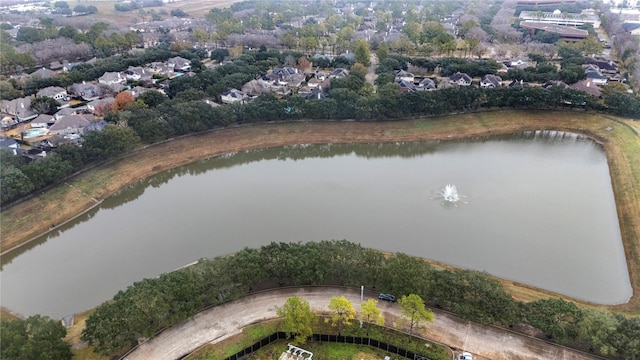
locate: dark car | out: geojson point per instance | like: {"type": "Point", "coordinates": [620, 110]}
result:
{"type": "Point", "coordinates": [387, 297]}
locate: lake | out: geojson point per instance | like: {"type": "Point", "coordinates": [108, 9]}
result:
{"type": "Point", "coordinates": [539, 210]}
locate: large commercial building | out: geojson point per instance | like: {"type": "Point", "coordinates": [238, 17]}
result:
{"type": "Point", "coordinates": [558, 17]}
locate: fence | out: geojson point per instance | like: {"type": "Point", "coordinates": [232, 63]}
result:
{"type": "Point", "coordinates": [331, 338]}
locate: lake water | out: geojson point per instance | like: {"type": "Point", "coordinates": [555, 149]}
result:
{"type": "Point", "coordinates": [540, 211]}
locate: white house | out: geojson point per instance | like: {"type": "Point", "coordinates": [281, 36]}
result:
{"type": "Point", "coordinates": [233, 96]}
{"type": "Point", "coordinates": [460, 79]}
{"type": "Point", "coordinates": [404, 75]}
{"type": "Point", "coordinates": [70, 124]}
{"type": "Point", "coordinates": [111, 78]}
{"type": "Point", "coordinates": [55, 92]}
{"type": "Point", "coordinates": [491, 81]}
{"type": "Point", "coordinates": [19, 108]}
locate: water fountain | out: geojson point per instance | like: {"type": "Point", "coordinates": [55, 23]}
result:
{"type": "Point", "coordinates": [449, 195]}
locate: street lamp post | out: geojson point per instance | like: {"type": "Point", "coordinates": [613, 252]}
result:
{"type": "Point", "coordinates": [361, 300]}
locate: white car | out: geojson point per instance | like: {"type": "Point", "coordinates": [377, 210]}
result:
{"type": "Point", "coordinates": [465, 356]}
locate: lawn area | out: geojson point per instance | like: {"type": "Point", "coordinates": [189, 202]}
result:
{"type": "Point", "coordinates": [321, 350]}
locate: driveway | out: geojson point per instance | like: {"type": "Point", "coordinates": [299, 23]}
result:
{"type": "Point", "coordinates": [222, 322]}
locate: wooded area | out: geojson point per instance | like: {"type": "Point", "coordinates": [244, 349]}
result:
{"type": "Point", "coordinates": [150, 305]}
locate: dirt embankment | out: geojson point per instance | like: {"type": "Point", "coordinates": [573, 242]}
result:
{"type": "Point", "coordinates": [36, 216]}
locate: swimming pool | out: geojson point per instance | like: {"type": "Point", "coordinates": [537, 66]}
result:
{"type": "Point", "coordinates": [35, 132]}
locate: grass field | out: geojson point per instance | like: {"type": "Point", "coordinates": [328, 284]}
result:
{"type": "Point", "coordinates": [108, 14]}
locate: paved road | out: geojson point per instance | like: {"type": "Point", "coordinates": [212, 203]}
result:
{"type": "Point", "coordinates": [219, 323]}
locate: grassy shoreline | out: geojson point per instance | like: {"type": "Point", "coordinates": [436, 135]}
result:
{"type": "Point", "coordinates": [23, 222]}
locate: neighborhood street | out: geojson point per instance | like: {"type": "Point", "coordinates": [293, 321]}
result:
{"type": "Point", "coordinates": [222, 322]}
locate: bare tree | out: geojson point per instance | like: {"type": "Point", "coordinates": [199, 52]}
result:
{"type": "Point", "coordinates": [57, 49]}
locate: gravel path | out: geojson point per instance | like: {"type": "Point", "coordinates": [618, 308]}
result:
{"type": "Point", "coordinates": [222, 322]}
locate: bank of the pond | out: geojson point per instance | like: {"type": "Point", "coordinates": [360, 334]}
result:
{"type": "Point", "coordinates": [36, 216]}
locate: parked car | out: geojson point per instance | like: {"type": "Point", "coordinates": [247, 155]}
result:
{"type": "Point", "coordinates": [465, 356]}
{"type": "Point", "coordinates": [387, 297]}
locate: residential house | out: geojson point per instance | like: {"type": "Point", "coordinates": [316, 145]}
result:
{"type": "Point", "coordinates": [7, 122]}
{"type": "Point", "coordinates": [100, 104]}
{"type": "Point", "coordinates": [10, 144]}
{"type": "Point", "coordinates": [55, 92]}
{"type": "Point", "coordinates": [338, 73]}
{"type": "Point", "coordinates": [281, 91]}
{"type": "Point", "coordinates": [596, 78]}
{"type": "Point", "coordinates": [42, 121]}
{"type": "Point", "coordinates": [95, 126]}
{"type": "Point", "coordinates": [587, 86]}
{"type": "Point", "coordinates": [553, 83]}
{"type": "Point", "coordinates": [520, 63]}
{"type": "Point", "coordinates": [55, 65]}
{"type": "Point", "coordinates": [605, 66]}
{"type": "Point", "coordinates": [138, 73]}
{"type": "Point", "coordinates": [161, 69]}
{"type": "Point", "coordinates": [233, 96]}
{"type": "Point", "coordinates": [111, 78]}
{"type": "Point", "coordinates": [43, 73]}
{"type": "Point", "coordinates": [58, 140]}
{"type": "Point", "coordinates": [632, 28]}
{"type": "Point", "coordinates": [179, 64]}
{"type": "Point", "coordinates": [618, 77]}
{"type": "Point", "coordinates": [285, 75]}
{"type": "Point", "coordinates": [71, 124]}
{"type": "Point", "coordinates": [321, 75]}
{"type": "Point", "coordinates": [426, 84]}
{"type": "Point", "coordinates": [64, 112]}
{"type": "Point", "coordinates": [314, 82]}
{"type": "Point", "coordinates": [491, 81]}
{"type": "Point", "coordinates": [503, 69]}
{"type": "Point", "coordinates": [254, 88]}
{"type": "Point", "coordinates": [404, 75]}
{"type": "Point", "coordinates": [406, 86]}
{"type": "Point", "coordinates": [66, 66]}
{"type": "Point", "coordinates": [85, 91]}
{"type": "Point", "coordinates": [34, 154]}
{"type": "Point", "coordinates": [317, 94]}
{"type": "Point", "coordinates": [19, 108]}
{"type": "Point", "coordinates": [518, 84]}
{"type": "Point", "coordinates": [460, 79]}
{"type": "Point", "coordinates": [138, 90]}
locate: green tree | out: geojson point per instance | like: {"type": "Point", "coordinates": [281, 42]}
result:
{"type": "Point", "coordinates": [47, 171]}
{"type": "Point", "coordinates": [596, 328]}
{"type": "Point", "coordinates": [362, 52]}
{"type": "Point", "coordinates": [44, 105]}
{"type": "Point", "coordinates": [152, 98]}
{"type": "Point", "coordinates": [298, 318]}
{"type": "Point", "coordinates": [68, 31]}
{"type": "Point", "coordinates": [35, 338]}
{"type": "Point", "coordinates": [219, 54]}
{"type": "Point", "coordinates": [13, 182]}
{"type": "Point", "coordinates": [557, 318]}
{"type": "Point", "coordinates": [112, 141]}
{"type": "Point", "coordinates": [382, 52]}
{"type": "Point", "coordinates": [342, 312]}
{"type": "Point", "coordinates": [7, 91]}
{"type": "Point", "coordinates": [413, 310]}
{"type": "Point", "coordinates": [371, 313]}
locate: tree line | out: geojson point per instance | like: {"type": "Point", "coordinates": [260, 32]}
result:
{"type": "Point", "coordinates": [298, 319]}
{"type": "Point", "coordinates": [154, 117]}
{"type": "Point", "coordinates": [148, 306]}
